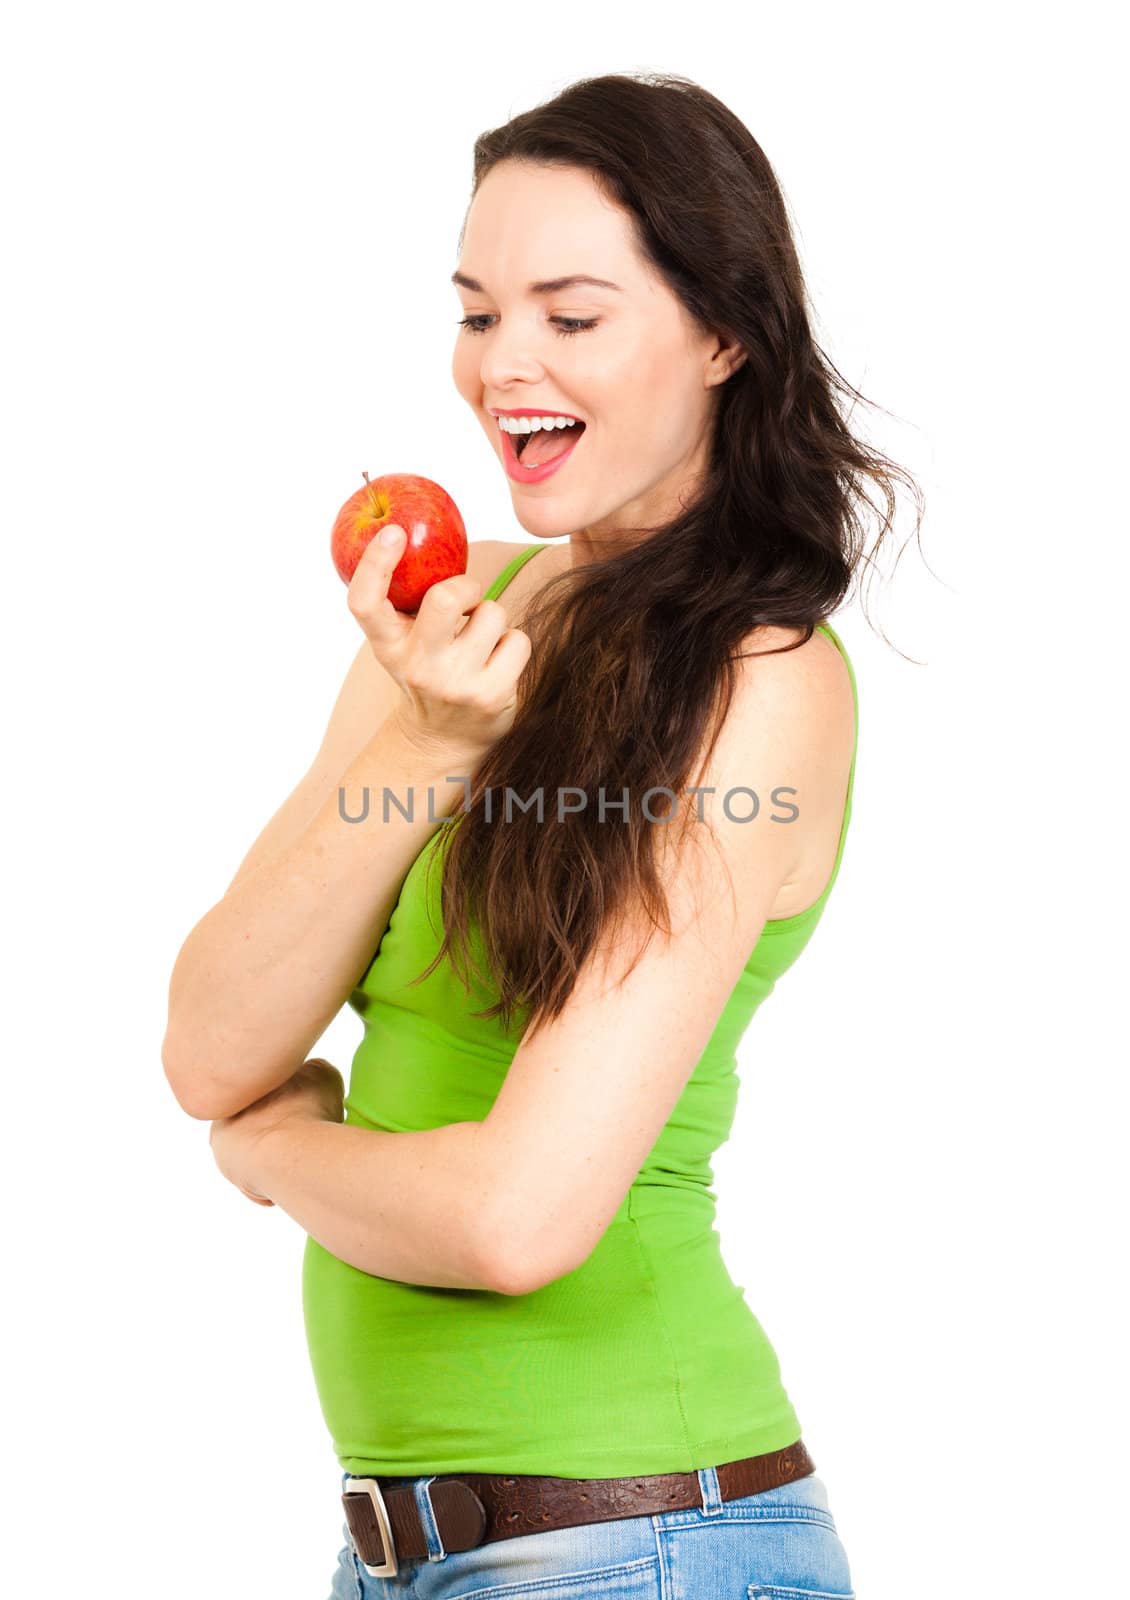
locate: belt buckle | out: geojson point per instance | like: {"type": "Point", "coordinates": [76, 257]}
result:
{"type": "Point", "coordinates": [389, 1567]}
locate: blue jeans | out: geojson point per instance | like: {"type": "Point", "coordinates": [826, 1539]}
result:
{"type": "Point", "coordinates": [781, 1544]}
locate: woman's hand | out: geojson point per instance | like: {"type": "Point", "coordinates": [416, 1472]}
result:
{"type": "Point", "coordinates": [459, 679]}
{"type": "Point", "coordinates": [316, 1092]}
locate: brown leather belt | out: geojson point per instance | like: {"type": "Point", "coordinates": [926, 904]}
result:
{"type": "Point", "coordinates": [472, 1508]}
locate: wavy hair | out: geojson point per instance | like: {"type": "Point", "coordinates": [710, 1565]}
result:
{"type": "Point", "coordinates": [632, 671]}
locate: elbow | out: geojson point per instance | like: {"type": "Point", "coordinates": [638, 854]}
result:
{"type": "Point", "coordinates": [193, 1092]}
{"type": "Point", "coordinates": [182, 1087]}
{"type": "Point", "coordinates": [188, 1060]}
{"type": "Point", "coordinates": [187, 1093]}
{"type": "Point", "coordinates": [509, 1275]}
{"type": "Point", "coordinates": [515, 1259]}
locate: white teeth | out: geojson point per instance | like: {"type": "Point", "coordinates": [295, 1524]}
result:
{"type": "Point", "coordinates": [534, 424]}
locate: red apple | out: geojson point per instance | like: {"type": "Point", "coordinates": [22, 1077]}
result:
{"type": "Point", "coordinates": [437, 539]}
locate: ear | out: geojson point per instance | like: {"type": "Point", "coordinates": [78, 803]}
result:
{"type": "Point", "coordinates": [723, 362]}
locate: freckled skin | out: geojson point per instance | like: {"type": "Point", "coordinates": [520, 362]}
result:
{"type": "Point", "coordinates": [436, 546]}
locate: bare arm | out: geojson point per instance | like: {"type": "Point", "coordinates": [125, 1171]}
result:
{"type": "Point", "coordinates": [523, 1197]}
{"type": "Point", "coordinates": [261, 976]}
{"type": "Point", "coordinates": [263, 973]}
{"type": "Point", "coordinates": [409, 1206]}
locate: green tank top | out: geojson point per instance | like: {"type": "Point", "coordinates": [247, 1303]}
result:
{"type": "Point", "coordinates": [644, 1359]}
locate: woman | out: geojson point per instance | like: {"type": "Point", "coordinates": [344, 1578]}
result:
{"type": "Point", "coordinates": [537, 1373]}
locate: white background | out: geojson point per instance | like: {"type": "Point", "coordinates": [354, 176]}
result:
{"type": "Point", "coordinates": [230, 230]}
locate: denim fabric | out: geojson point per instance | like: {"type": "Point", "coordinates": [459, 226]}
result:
{"type": "Point", "coordinates": [778, 1545]}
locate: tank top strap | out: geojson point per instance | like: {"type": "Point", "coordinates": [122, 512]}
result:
{"type": "Point", "coordinates": [824, 627]}
{"type": "Point", "coordinates": [509, 570]}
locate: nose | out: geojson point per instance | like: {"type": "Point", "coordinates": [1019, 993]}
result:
{"type": "Point", "coordinates": [509, 357]}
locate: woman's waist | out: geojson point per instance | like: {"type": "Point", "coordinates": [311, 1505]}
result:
{"type": "Point", "coordinates": [657, 1343]}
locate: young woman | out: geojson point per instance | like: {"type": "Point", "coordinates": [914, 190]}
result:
{"type": "Point", "coordinates": [538, 1376]}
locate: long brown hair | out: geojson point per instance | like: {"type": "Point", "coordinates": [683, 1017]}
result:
{"type": "Point", "coordinates": [632, 670]}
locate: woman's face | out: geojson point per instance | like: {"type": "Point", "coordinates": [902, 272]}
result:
{"type": "Point", "coordinates": [639, 373]}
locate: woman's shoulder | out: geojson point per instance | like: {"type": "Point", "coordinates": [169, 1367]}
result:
{"type": "Point", "coordinates": [792, 720]}
{"type": "Point", "coordinates": [495, 555]}
{"type": "Point", "coordinates": [786, 652]}
{"type": "Point", "coordinates": [486, 558]}
{"type": "Point", "coordinates": [806, 690]}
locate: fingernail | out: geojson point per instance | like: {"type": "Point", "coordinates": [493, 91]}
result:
{"type": "Point", "coordinates": [390, 535]}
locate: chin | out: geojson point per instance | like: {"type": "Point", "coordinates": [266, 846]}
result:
{"type": "Point", "coordinates": [541, 521]}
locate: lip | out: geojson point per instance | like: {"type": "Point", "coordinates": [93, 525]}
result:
{"type": "Point", "coordinates": [514, 468]}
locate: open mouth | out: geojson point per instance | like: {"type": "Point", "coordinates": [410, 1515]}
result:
{"type": "Point", "coordinates": [545, 444]}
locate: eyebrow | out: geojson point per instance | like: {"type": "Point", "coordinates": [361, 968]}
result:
{"type": "Point", "coordinates": [547, 286]}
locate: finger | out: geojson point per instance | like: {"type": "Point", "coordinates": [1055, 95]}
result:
{"type": "Point", "coordinates": [481, 633]}
{"type": "Point", "coordinates": [506, 663]}
{"type": "Point", "coordinates": [367, 595]}
{"type": "Point", "coordinates": [316, 1068]}
{"type": "Point", "coordinates": [442, 610]}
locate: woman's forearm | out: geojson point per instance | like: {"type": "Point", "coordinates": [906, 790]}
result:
{"type": "Point", "coordinates": [409, 1206]}
{"type": "Point", "coordinates": [265, 971]}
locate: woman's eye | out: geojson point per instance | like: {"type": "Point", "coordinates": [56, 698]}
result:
{"type": "Point", "coordinates": [564, 325]}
